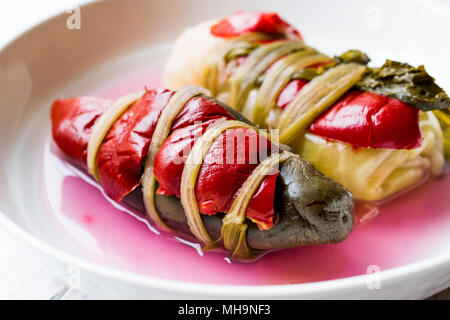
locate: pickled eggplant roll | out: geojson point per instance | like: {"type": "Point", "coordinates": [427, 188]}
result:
{"type": "Point", "coordinates": [386, 129]}
{"type": "Point", "coordinates": [198, 168]}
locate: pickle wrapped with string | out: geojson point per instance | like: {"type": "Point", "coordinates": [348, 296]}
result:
{"type": "Point", "coordinates": [200, 170]}
{"type": "Point", "coordinates": [377, 130]}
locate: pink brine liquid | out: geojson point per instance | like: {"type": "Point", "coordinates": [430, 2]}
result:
{"type": "Point", "coordinates": [404, 230]}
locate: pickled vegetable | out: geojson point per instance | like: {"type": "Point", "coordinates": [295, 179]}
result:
{"type": "Point", "coordinates": [316, 97]}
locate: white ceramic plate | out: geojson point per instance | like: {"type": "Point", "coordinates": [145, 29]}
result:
{"type": "Point", "coordinates": [125, 42]}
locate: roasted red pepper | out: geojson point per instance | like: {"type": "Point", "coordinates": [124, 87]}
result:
{"type": "Point", "coordinates": [293, 87]}
{"type": "Point", "coordinates": [231, 159]}
{"type": "Point", "coordinates": [290, 92]}
{"type": "Point", "coordinates": [121, 156]}
{"type": "Point", "coordinates": [245, 22]}
{"type": "Point", "coordinates": [370, 120]}
{"type": "Point", "coordinates": [72, 122]}
{"type": "Point", "coordinates": [363, 119]}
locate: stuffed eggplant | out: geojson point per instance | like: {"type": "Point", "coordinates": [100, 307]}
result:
{"type": "Point", "coordinates": [198, 168]}
{"type": "Point", "coordinates": [378, 125]}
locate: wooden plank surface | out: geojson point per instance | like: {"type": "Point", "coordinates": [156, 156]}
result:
{"type": "Point", "coordinates": [444, 295]}
{"type": "Point", "coordinates": [26, 274]}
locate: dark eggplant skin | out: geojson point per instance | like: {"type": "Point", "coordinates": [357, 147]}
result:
{"type": "Point", "coordinates": [312, 209]}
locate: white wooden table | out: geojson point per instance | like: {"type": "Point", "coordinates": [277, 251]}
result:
{"type": "Point", "coordinates": [24, 274]}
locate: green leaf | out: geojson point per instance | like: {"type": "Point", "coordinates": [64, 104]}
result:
{"type": "Point", "coordinates": [402, 81]}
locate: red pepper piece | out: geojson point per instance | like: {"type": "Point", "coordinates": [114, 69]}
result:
{"type": "Point", "coordinates": [123, 152]}
{"type": "Point", "coordinates": [230, 160]}
{"type": "Point", "coordinates": [120, 157]}
{"type": "Point", "coordinates": [370, 120]}
{"type": "Point", "coordinates": [245, 22]}
{"type": "Point", "coordinates": [260, 209]}
{"type": "Point", "coordinates": [294, 87]}
{"type": "Point", "coordinates": [290, 92]}
{"type": "Point", "coordinates": [72, 122]}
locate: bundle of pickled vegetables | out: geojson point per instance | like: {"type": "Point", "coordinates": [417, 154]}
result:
{"type": "Point", "coordinates": [198, 168]}
{"type": "Point", "coordinates": [377, 131]}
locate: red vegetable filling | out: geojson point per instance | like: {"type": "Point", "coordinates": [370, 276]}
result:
{"type": "Point", "coordinates": [122, 154]}
{"type": "Point", "coordinates": [120, 157]}
{"type": "Point", "coordinates": [245, 22]}
{"type": "Point", "coordinates": [363, 119]}
{"type": "Point", "coordinates": [72, 122]}
{"type": "Point", "coordinates": [230, 160]}
{"type": "Point", "coordinates": [293, 87]}
{"type": "Point", "coordinates": [370, 120]}
{"type": "Point", "coordinates": [289, 92]}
